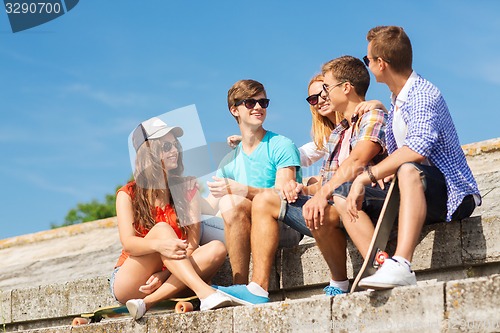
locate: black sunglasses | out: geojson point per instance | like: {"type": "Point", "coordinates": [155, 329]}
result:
{"type": "Point", "coordinates": [327, 88]}
{"type": "Point", "coordinates": [366, 60]}
{"type": "Point", "coordinates": [167, 146]}
{"type": "Point", "coordinates": [251, 102]}
{"type": "Point", "coordinates": [314, 99]}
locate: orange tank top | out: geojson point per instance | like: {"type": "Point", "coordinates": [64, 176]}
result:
{"type": "Point", "coordinates": [165, 215]}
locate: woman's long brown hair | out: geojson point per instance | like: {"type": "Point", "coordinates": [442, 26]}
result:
{"type": "Point", "coordinates": [154, 182]}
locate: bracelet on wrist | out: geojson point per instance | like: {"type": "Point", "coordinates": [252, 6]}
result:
{"type": "Point", "coordinates": [370, 175]}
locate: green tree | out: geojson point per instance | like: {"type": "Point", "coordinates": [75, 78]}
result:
{"type": "Point", "coordinates": [91, 211]}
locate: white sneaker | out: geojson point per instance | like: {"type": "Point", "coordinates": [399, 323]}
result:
{"type": "Point", "coordinates": [215, 301]}
{"type": "Point", "coordinates": [136, 308]}
{"type": "Point", "coordinates": [391, 274]}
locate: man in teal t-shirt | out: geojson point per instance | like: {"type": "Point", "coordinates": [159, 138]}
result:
{"type": "Point", "coordinates": [262, 161]}
{"type": "Point", "coordinates": [259, 168]}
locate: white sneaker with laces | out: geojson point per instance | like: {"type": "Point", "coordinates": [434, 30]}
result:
{"type": "Point", "coordinates": [136, 308]}
{"type": "Point", "coordinates": [215, 301]}
{"type": "Point", "coordinates": [391, 274]}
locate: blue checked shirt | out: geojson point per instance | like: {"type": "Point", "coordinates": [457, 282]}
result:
{"type": "Point", "coordinates": [431, 133]}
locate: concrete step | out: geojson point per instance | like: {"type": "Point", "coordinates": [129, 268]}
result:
{"type": "Point", "coordinates": [447, 251]}
{"type": "Point", "coordinates": [50, 277]}
{"type": "Point", "coordinates": [468, 305]}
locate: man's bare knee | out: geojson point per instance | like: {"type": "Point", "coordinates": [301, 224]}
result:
{"type": "Point", "coordinates": [340, 203]}
{"type": "Point", "coordinates": [267, 202]}
{"type": "Point", "coordinates": [235, 209]}
{"type": "Point", "coordinates": [409, 175]}
{"type": "Point", "coordinates": [234, 203]}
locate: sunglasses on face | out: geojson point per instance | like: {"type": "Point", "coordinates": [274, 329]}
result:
{"type": "Point", "coordinates": [327, 88]}
{"type": "Point", "coordinates": [251, 102]}
{"type": "Point", "coordinates": [314, 99]}
{"type": "Point", "coordinates": [167, 145]}
{"type": "Point", "coordinates": [366, 60]}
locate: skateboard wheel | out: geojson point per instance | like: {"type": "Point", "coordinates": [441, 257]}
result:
{"type": "Point", "coordinates": [79, 321]}
{"type": "Point", "coordinates": [381, 256]}
{"type": "Point", "coordinates": [183, 307]}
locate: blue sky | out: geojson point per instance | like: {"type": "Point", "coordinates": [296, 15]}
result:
{"type": "Point", "coordinates": [73, 89]}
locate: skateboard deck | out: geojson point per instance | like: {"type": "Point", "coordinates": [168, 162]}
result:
{"type": "Point", "coordinates": [179, 305]}
{"type": "Point", "coordinates": [376, 251]}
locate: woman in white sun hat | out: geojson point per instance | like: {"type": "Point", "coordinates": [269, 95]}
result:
{"type": "Point", "coordinates": [157, 223]}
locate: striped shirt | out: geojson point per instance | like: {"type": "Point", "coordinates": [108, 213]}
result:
{"type": "Point", "coordinates": [431, 133]}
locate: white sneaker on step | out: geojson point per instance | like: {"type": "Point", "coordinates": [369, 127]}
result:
{"type": "Point", "coordinates": [215, 301]}
{"type": "Point", "coordinates": [136, 308]}
{"type": "Point", "coordinates": [391, 274]}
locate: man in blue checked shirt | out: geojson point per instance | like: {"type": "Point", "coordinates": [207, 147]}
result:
{"type": "Point", "coordinates": [434, 179]}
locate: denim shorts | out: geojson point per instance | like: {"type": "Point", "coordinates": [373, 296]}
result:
{"type": "Point", "coordinates": [291, 215]}
{"type": "Point", "coordinates": [212, 228]}
{"type": "Point", "coordinates": [373, 200]}
{"type": "Point", "coordinates": [112, 282]}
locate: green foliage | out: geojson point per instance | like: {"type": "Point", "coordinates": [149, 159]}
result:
{"type": "Point", "coordinates": [95, 210]}
{"type": "Point", "coordinates": [91, 211]}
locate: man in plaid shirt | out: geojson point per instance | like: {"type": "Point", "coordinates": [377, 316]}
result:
{"type": "Point", "coordinates": [434, 179]}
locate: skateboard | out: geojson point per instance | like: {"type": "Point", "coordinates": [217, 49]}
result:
{"type": "Point", "coordinates": [178, 305]}
{"type": "Point", "coordinates": [376, 252]}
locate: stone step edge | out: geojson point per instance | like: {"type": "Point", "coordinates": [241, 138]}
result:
{"type": "Point", "coordinates": [99, 296]}
{"type": "Point", "coordinates": [437, 307]}
{"type": "Point", "coordinates": [74, 294]}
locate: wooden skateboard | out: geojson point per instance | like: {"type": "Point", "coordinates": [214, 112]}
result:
{"type": "Point", "coordinates": [179, 305]}
{"type": "Point", "coordinates": [376, 252]}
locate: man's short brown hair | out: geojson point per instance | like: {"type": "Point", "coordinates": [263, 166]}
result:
{"type": "Point", "coordinates": [349, 69]}
{"type": "Point", "coordinates": [243, 89]}
{"type": "Point", "coordinates": [393, 45]}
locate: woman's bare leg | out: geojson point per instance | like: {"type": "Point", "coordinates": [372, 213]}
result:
{"type": "Point", "coordinates": [191, 272]}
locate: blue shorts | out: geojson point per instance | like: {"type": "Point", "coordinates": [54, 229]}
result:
{"type": "Point", "coordinates": [212, 228]}
{"type": "Point", "coordinates": [112, 282]}
{"type": "Point", "coordinates": [373, 200]}
{"type": "Point", "coordinates": [292, 214]}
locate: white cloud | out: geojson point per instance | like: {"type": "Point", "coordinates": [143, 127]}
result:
{"type": "Point", "coordinates": [112, 99]}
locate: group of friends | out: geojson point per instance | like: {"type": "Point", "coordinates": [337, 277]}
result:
{"type": "Point", "coordinates": [264, 203]}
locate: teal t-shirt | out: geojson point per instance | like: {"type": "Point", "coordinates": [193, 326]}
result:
{"type": "Point", "coordinates": [259, 168]}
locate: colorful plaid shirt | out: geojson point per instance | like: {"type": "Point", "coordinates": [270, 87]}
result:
{"type": "Point", "coordinates": [371, 127]}
{"type": "Point", "coordinates": [431, 133]}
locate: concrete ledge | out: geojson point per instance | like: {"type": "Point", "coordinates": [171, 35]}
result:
{"type": "Point", "coordinates": [473, 305]}
{"type": "Point", "coordinates": [5, 306]}
{"type": "Point", "coordinates": [58, 233]}
{"type": "Point", "coordinates": [409, 309]}
{"type": "Point", "coordinates": [447, 251]}
{"type": "Point", "coordinates": [470, 305]}
{"type": "Point", "coordinates": [481, 240]}
{"type": "Point", "coordinates": [305, 315]}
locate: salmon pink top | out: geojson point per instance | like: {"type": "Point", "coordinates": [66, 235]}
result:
{"type": "Point", "coordinates": [165, 215]}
